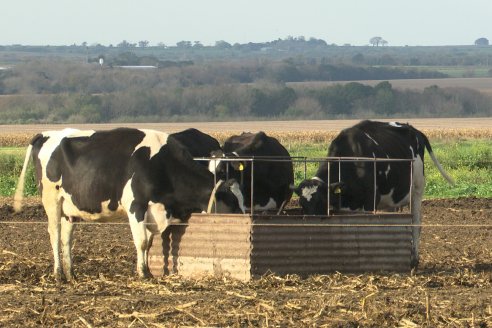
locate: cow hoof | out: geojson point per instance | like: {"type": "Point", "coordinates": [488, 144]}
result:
{"type": "Point", "coordinates": [145, 274]}
{"type": "Point", "coordinates": [71, 277]}
{"type": "Point", "coordinates": [60, 279]}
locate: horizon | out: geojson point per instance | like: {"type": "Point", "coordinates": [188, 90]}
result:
{"type": "Point", "coordinates": [354, 22]}
{"type": "Point", "coordinates": [158, 45]}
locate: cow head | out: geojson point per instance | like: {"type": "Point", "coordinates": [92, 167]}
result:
{"type": "Point", "coordinates": [313, 197]}
{"type": "Point", "coordinates": [229, 198]}
{"type": "Point", "coordinates": [225, 169]}
{"type": "Point", "coordinates": [244, 146]}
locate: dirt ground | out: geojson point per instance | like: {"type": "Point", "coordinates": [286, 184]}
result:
{"type": "Point", "coordinates": [451, 288]}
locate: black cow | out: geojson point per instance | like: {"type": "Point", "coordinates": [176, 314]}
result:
{"type": "Point", "coordinates": [199, 144]}
{"type": "Point", "coordinates": [273, 171]}
{"type": "Point", "coordinates": [395, 180]}
{"type": "Point", "coordinates": [144, 175]}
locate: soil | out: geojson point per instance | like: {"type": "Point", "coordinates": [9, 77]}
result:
{"type": "Point", "coordinates": [451, 287]}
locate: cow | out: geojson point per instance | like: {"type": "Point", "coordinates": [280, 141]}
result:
{"type": "Point", "coordinates": [143, 175]}
{"type": "Point", "coordinates": [273, 171]}
{"type": "Point", "coordinates": [199, 144]}
{"type": "Point", "coordinates": [352, 185]}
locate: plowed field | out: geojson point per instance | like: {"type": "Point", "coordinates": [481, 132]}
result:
{"type": "Point", "coordinates": [451, 288]}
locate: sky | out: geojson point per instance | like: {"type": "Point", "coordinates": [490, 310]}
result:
{"type": "Point", "coordinates": [399, 22]}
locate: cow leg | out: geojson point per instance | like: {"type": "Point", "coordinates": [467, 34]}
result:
{"type": "Point", "coordinates": [416, 208]}
{"type": "Point", "coordinates": [417, 195]}
{"type": "Point", "coordinates": [53, 212]}
{"type": "Point", "coordinates": [67, 243]}
{"type": "Point", "coordinates": [141, 238]}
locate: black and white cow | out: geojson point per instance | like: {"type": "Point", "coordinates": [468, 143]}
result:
{"type": "Point", "coordinates": [352, 186]}
{"type": "Point", "coordinates": [273, 171]}
{"type": "Point", "coordinates": [101, 176]}
{"type": "Point", "coordinates": [199, 144]}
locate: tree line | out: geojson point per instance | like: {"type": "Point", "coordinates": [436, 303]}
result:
{"type": "Point", "coordinates": [479, 54]}
{"type": "Point", "coordinates": [47, 91]}
{"type": "Point", "coordinates": [261, 100]}
{"type": "Point", "coordinates": [47, 76]}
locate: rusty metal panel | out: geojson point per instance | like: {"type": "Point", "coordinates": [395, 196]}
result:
{"type": "Point", "coordinates": [207, 245]}
{"type": "Point", "coordinates": [308, 245]}
{"type": "Point", "coordinates": [242, 247]}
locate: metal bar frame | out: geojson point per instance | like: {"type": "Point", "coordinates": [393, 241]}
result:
{"type": "Point", "coordinates": [306, 160]}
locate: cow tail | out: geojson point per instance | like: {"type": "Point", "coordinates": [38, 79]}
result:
{"type": "Point", "coordinates": [212, 196]}
{"type": "Point", "coordinates": [436, 162]}
{"type": "Point", "coordinates": [19, 191]}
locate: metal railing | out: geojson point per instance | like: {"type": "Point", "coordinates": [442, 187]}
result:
{"type": "Point", "coordinates": [305, 160]}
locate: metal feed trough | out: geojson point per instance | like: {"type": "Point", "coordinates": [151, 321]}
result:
{"type": "Point", "coordinates": [244, 246]}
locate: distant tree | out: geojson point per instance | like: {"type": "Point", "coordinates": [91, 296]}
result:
{"type": "Point", "coordinates": [143, 44]}
{"type": "Point", "coordinates": [124, 44]}
{"type": "Point", "coordinates": [384, 43]}
{"type": "Point", "coordinates": [376, 41]}
{"type": "Point", "coordinates": [197, 44]}
{"type": "Point", "coordinates": [482, 42]}
{"type": "Point", "coordinates": [127, 58]}
{"type": "Point", "coordinates": [358, 59]}
{"type": "Point", "coordinates": [315, 41]}
{"type": "Point", "coordinates": [161, 45]}
{"type": "Point", "coordinates": [222, 44]}
{"type": "Point", "coordinates": [183, 44]}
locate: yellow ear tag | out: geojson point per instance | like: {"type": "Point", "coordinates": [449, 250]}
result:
{"type": "Point", "coordinates": [241, 167]}
{"type": "Point", "coordinates": [337, 190]}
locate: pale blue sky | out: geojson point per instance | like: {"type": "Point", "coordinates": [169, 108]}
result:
{"type": "Point", "coordinates": [400, 22]}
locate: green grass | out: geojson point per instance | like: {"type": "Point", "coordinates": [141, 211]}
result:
{"type": "Point", "coordinates": [11, 160]}
{"type": "Point", "coordinates": [469, 162]}
{"type": "Point", "coordinates": [458, 71]}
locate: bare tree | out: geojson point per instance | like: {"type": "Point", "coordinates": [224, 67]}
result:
{"type": "Point", "coordinates": [376, 41]}
{"type": "Point", "coordinates": [143, 44]}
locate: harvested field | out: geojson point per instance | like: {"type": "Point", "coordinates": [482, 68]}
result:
{"type": "Point", "coordinates": [285, 131]}
{"type": "Point", "coordinates": [451, 288]}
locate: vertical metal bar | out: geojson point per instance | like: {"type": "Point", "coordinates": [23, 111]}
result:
{"type": "Point", "coordinates": [411, 186]}
{"type": "Point", "coordinates": [252, 185]}
{"type": "Point", "coordinates": [374, 188]}
{"type": "Point", "coordinates": [305, 168]}
{"type": "Point", "coordinates": [215, 183]}
{"type": "Point", "coordinates": [339, 181]}
{"type": "Point", "coordinates": [328, 188]}
{"type": "Point", "coordinates": [228, 163]}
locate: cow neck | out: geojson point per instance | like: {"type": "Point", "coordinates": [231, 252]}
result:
{"type": "Point", "coordinates": [212, 196]}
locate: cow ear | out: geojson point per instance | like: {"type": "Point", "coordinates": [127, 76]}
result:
{"type": "Point", "coordinates": [258, 140]}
